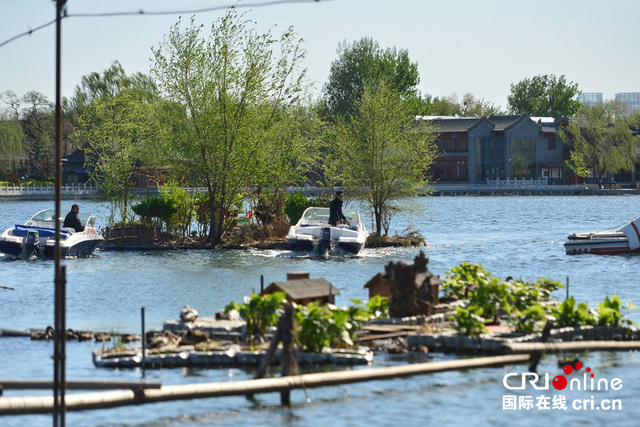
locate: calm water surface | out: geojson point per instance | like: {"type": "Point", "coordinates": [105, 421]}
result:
{"type": "Point", "coordinates": [510, 236]}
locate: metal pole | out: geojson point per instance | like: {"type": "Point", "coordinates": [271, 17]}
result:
{"type": "Point", "coordinates": [567, 297]}
{"type": "Point", "coordinates": [261, 284]}
{"type": "Point", "coordinates": [144, 345]}
{"type": "Point", "coordinates": [59, 273]}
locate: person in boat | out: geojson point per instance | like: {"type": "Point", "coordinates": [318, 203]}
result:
{"type": "Point", "coordinates": [72, 220]}
{"type": "Point", "coordinates": [336, 217]}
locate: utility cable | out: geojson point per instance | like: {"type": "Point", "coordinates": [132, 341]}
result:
{"type": "Point", "coordinates": [141, 12]}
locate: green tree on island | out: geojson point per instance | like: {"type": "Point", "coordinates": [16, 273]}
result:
{"type": "Point", "coordinates": [381, 154]}
{"type": "Point", "coordinates": [363, 63]}
{"type": "Point", "coordinates": [544, 95]}
{"type": "Point", "coordinates": [231, 91]}
{"type": "Point", "coordinates": [600, 142]}
{"type": "Point", "coordinates": [121, 130]}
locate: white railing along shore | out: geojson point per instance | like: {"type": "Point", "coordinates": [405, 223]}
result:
{"type": "Point", "coordinates": [33, 189]}
{"type": "Point", "coordinates": [518, 183]}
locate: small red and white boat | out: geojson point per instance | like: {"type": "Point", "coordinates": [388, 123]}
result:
{"type": "Point", "coordinates": [622, 240]}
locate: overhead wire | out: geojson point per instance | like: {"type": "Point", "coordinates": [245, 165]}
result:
{"type": "Point", "coordinates": [142, 12]}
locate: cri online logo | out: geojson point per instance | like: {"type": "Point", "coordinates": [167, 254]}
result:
{"type": "Point", "coordinates": [560, 382]}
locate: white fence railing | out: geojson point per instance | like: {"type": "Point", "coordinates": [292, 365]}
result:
{"type": "Point", "coordinates": [45, 190]}
{"type": "Point", "coordinates": [518, 183]}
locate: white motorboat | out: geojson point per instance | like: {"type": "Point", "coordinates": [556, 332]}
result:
{"type": "Point", "coordinates": [314, 233]}
{"type": "Point", "coordinates": [621, 240]}
{"type": "Point", "coordinates": [36, 237]}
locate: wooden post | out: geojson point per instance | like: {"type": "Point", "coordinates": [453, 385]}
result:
{"type": "Point", "coordinates": [261, 284]}
{"type": "Point", "coordinates": [144, 346]}
{"type": "Point", "coordinates": [288, 362]}
{"type": "Point", "coordinates": [535, 356]}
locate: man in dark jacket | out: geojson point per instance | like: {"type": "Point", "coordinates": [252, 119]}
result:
{"type": "Point", "coordinates": [335, 210]}
{"type": "Point", "coordinates": [72, 220]}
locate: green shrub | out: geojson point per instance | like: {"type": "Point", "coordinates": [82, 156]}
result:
{"type": "Point", "coordinates": [296, 203]}
{"type": "Point", "coordinates": [154, 210]}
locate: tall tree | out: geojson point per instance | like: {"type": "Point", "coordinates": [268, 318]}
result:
{"type": "Point", "coordinates": [289, 152]}
{"type": "Point", "coordinates": [363, 63]}
{"type": "Point", "coordinates": [600, 143]}
{"type": "Point", "coordinates": [121, 130]}
{"type": "Point", "coordinates": [544, 95]}
{"type": "Point", "coordinates": [468, 106]}
{"type": "Point", "coordinates": [231, 87]}
{"type": "Point", "coordinates": [111, 82]}
{"type": "Point", "coordinates": [381, 153]}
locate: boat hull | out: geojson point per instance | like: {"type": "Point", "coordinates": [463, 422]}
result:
{"type": "Point", "coordinates": [599, 247]}
{"type": "Point", "coordinates": [11, 248]}
{"type": "Point", "coordinates": [313, 233]}
{"type": "Point", "coordinates": [302, 245]}
{"type": "Point", "coordinates": [77, 245]}
{"type": "Point", "coordinates": [622, 240]}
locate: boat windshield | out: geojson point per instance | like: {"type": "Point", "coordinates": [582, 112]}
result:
{"type": "Point", "coordinates": [321, 216]}
{"type": "Point", "coordinates": [46, 218]}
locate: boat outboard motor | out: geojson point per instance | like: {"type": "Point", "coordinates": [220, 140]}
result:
{"type": "Point", "coordinates": [30, 247]}
{"type": "Point", "coordinates": [325, 240]}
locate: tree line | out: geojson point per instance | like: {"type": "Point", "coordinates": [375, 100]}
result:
{"type": "Point", "coordinates": [230, 109]}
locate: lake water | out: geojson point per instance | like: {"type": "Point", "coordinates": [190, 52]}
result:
{"type": "Point", "coordinates": [519, 236]}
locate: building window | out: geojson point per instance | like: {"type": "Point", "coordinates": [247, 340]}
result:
{"type": "Point", "coordinates": [490, 159]}
{"type": "Point", "coordinates": [451, 144]}
{"type": "Point", "coordinates": [523, 158]}
{"type": "Point", "coordinates": [551, 144]}
{"type": "Point", "coordinates": [451, 170]}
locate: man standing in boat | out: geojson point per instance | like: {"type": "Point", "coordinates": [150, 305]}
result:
{"type": "Point", "coordinates": [72, 220]}
{"type": "Point", "coordinates": [336, 217]}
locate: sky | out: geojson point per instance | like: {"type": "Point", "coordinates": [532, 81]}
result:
{"type": "Point", "coordinates": [460, 46]}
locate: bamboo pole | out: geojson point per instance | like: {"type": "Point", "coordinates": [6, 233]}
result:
{"type": "Point", "coordinates": [111, 399]}
{"type": "Point", "coordinates": [558, 347]}
{"type": "Point", "coordinates": [79, 385]}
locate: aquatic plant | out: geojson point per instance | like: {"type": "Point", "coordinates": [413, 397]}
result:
{"type": "Point", "coordinates": [530, 319]}
{"type": "Point", "coordinates": [610, 312]}
{"type": "Point", "coordinates": [260, 312]}
{"type": "Point", "coordinates": [570, 313]}
{"type": "Point", "coordinates": [469, 321]}
{"type": "Point", "coordinates": [328, 326]}
{"type": "Point", "coordinates": [520, 302]}
{"type": "Point", "coordinates": [377, 307]}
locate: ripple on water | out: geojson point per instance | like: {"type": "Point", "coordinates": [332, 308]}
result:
{"type": "Point", "coordinates": [510, 236]}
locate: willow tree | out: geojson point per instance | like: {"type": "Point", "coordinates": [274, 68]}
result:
{"type": "Point", "coordinates": [120, 131]}
{"type": "Point", "coordinates": [109, 83]}
{"type": "Point", "coordinates": [600, 142]}
{"type": "Point", "coordinates": [231, 86]}
{"type": "Point", "coordinates": [10, 143]}
{"type": "Point", "coordinates": [382, 153]}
